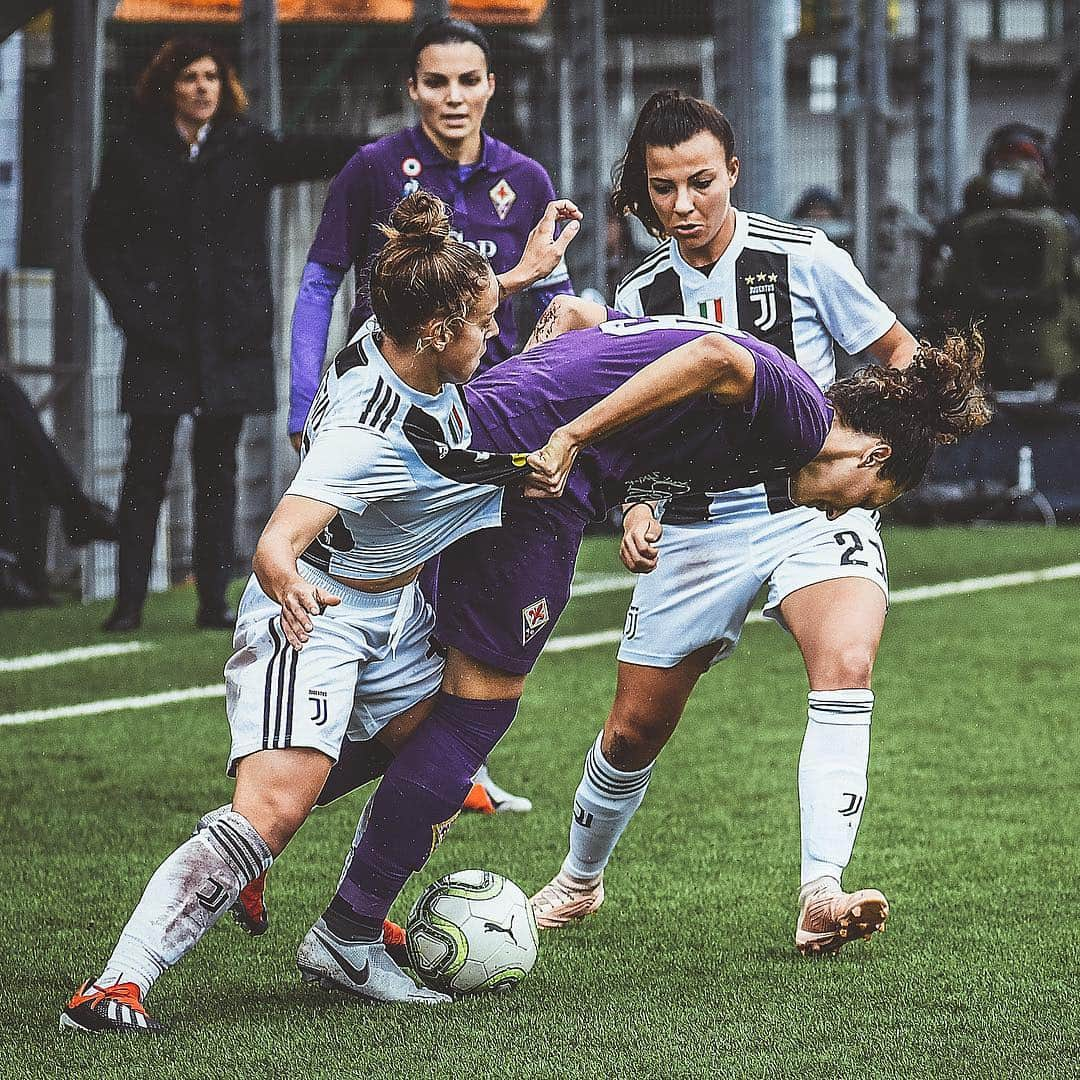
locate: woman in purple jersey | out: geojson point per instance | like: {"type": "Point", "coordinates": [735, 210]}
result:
{"type": "Point", "coordinates": [724, 406]}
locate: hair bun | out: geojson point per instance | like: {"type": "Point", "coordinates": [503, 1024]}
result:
{"type": "Point", "coordinates": [421, 221]}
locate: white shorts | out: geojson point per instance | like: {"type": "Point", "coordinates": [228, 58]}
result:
{"type": "Point", "coordinates": [367, 660]}
{"type": "Point", "coordinates": [709, 573]}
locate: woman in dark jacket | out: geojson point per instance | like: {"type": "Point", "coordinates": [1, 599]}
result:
{"type": "Point", "coordinates": [176, 239]}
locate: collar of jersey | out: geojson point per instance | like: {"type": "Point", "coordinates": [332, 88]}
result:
{"type": "Point", "coordinates": [731, 253]}
{"type": "Point", "coordinates": [430, 155]}
{"type": "Point", "coordinates": [377, 360]}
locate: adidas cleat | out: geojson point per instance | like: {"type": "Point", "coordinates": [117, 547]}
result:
{"type": "Point", "coordinates": [249, 912]}
{"type": "Point", "coordinates": [502, 802]}
{"type": "Point", "coordinates": [565, 900]}
{"type": "Point", "coordinates": [361, 968]}
{"type": "Point", "coordinates": [97, 1010]}
{"type": "Point", "coordinates": [393, 937]}
{"type": "Point", "coordinates": [829, 917]}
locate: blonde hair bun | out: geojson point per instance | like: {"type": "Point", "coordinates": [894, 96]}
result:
{"type": "Point", "coordinates": [419, 222]}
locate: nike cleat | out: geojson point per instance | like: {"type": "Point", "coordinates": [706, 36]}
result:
{"type": "Point", "coordinates": [358, 967]}
{"type": "Point", "coordinates": [565, 900]}
{"type": "Point", "coordinates": [501, 801]}
{"type": "Point", "coordinates": [249, 911]}
{"type": "Point", "coordinates": [829, 917]}
{"type": "Point", "coordinates": [98, 1010]}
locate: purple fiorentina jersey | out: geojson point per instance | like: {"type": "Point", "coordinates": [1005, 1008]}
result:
{"type": "Point", "coordinates": [494, 209]}
{"type": "Point", "coordinates": [501, 591]}
{"type": "Point", "coordinates": [711, 447]}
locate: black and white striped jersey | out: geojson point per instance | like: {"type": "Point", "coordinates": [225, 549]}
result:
{"type": "Point", "coordinates": [788, 285]}
{"type": "Point", "coordinates": [393, 460]}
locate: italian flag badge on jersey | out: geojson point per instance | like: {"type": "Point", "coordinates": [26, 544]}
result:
{"type": "Point", "coordinates": [711, 309]}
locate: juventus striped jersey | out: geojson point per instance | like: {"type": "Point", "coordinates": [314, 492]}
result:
{"type": "Point", "coordinates": [394, 462]}
{"type": "Point", "coordinates": [788, 285]}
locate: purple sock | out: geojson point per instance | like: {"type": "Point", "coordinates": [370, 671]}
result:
{"type": "Point", "coordinates": [419, 798]}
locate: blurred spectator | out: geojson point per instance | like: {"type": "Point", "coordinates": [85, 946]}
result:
{"type": "Point", "coordinates": [817, 203]}
{"type": "Point", "coordinates": [176, 239]}
{"type": "Point", "coordinates": [33, 478]}
{"type": "Point", "coordinates": [1009, 260]}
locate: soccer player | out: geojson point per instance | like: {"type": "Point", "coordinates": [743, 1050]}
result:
{"type": "Point", "coordinates": [497, 194]}
{"type": "Point", "coordinates": [828, 585]}
{"type": "Point", "coordinates": [387, 480]}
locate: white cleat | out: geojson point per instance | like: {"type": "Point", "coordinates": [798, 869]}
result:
{"type": "Point", "coordinates": [361, 968]}
{"type": "Point", "coordinates": [564, 900]}
{"type": "Point", "coordinates": [829, 917]}
{"type": "Point", "coordinates": [502, 801]}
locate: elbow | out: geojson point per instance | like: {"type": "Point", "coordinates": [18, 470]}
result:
{"type": "Point", "coordinates": [726, 368]}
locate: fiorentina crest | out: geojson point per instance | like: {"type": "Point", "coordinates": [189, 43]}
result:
{"type": "Point", "coordinates": [534, 617]}
{"type": "Point", "coordinates": [502, 198]}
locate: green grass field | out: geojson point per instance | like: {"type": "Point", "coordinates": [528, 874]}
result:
{"type": "Point", "coordinates": [689, 969]}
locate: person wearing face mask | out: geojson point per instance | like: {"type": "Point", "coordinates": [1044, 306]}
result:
{"type": "Point", "coordinates": [496, 194]}
{"type": "Point", "coordinates": [176, 241]}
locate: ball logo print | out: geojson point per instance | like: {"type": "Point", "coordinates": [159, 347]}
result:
{"type": "Point", "coordinates": [472, 932]}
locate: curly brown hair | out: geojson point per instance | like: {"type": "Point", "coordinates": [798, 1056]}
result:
{"type": "Point", "coordinates": [669, 118]}
{"type": "Point", "coordinates": [936, 400]}
{"type": "Point", "coordinates": [154, 92]}
{"type": "Point", "coordinates": [422, 272]}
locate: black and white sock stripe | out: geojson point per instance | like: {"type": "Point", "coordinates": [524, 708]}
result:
{"type": "Point", "coordinates": [278, 706]}
{"type": "Point", "coordinates": [612, 782]}
{"type": "Point", "coordinates": [825, 708]}
{"type": "Point", "coordinates": [239, 845]}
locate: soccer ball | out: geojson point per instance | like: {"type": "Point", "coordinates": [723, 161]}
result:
{"type": "Point", "coordinates": [472, 932]}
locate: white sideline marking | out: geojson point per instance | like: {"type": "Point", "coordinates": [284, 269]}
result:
{"type": "Point", "coordinates": [568, 643]}
{"type": "Point", "coordinates": [69, 656]}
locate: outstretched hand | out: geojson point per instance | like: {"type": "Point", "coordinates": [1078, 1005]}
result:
{"type": "Point", "coordinates": [641, 531]}
{"type": "Point", "coordinates": [300, 600]}
{"type": "Point", "coordinates": [543, 249]}
{"type": "Point", "coordinates": [550, 466]}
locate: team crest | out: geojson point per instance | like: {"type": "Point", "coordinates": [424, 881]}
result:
{"type": "Point", "coordinates": [503, 196]}
{"type": "Point", "coordinates": [762, 288]}
{"type": "Point", "coordinates": [630, 629]}
{"type": "Point", "coordinates": [411, 167]}
{"type": "Point", "coordinates": [534, 617]}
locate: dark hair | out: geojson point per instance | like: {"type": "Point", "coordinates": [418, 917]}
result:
{"type": "Point", "coordinates": [935, 400]}
{"type": "Point", "coordinates": [446, 31]}
{"type": "Point", "coordinates": [668, 118]}
{"type": "Point", "coordinates": [1018, 140]}
{"type": "Point", "coordinates": [422, 272]}
{"type": "Point", "coordinates": [817, 195]}
{"type": "Point", "coordinates": [154, 90]}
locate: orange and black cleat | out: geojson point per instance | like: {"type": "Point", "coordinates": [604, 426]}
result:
{"type": "Point", "coordinates": [100, 1009]}
{"type": "Point", "coordinates": [393, 937]}
{"type": "Point", "coordinates": [249, 911]}
{"type": "Point", "coordinates": [478, 800]}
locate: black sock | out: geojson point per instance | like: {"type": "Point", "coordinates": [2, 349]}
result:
{"type": "Point", "coordinates": [346, 924]}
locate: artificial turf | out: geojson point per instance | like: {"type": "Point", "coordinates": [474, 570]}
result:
{"type": "Point", "coordinates": [688, 970]}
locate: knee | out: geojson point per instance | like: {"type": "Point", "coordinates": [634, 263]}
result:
{"type": "Point", "coordinates": [633, 738]}
{"type": "Point", "coordinates": [847, 666]}
{"type": "Point", "coordinates": [275, 812]}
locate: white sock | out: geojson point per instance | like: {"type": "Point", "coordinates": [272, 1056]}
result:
{"type": "Point", "coordinates": [604, 803]}
{"type": "Point", "coordinates": [188, 893]}
{"type": "Point", "coordinates": [832, 778]}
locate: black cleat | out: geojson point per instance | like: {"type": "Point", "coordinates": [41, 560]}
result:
{"type": "Point", "coordinates": [98, 1010]}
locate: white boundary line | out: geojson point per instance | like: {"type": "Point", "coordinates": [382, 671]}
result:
{"type": "Point", "coordinates": [69, 656]}
{"type": "Point", "coordinates": [568, 643]}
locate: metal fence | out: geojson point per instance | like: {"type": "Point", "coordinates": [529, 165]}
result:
{"type": "Point", "coordinates": [862, 100]}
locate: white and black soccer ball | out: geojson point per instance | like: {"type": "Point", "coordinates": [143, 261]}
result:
{"type": "Point", "coordinates": [472, 932]}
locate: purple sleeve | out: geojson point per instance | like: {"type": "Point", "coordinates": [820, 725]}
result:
{"type": "Point", "coordinates": [788, 405]}
{"type": "Point", "coordinates": [540, 298]}
{"type": "Point", "coordinates": [310, 326]}
{"type": "Point", "coordinates": [342, 237]}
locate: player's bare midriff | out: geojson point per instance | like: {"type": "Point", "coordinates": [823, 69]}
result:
{"type": "Point", "coordinates": [378, 585]}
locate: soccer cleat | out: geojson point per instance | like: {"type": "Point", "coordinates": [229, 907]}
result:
{"type": "Point", "coordinates": [249, 911]}
{"type": "Point", "coordinates": [564, 900]}
{"type": "Point", "coordinates": [393, 937]}
{"type": "Point", "coordinates": [119, 1008]}
{"type": "Point", "coordinates": [357, 967]}
{"type": "Point", "coordinates": [500, 800]}
{"type": "Point", "coordinates": [829, 917]}
{"type": "Point", "coordinates": [478, 801]}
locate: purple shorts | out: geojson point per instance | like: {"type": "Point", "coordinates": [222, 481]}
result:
{"type": "Point", "coordinates": [501, 591]}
